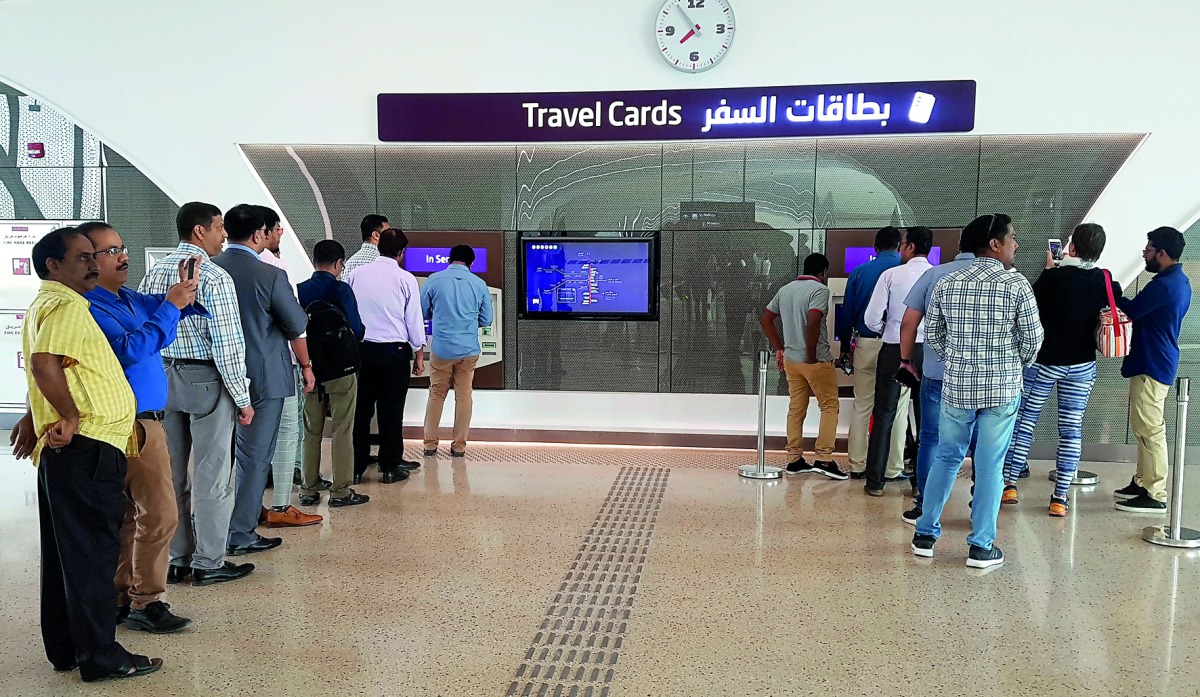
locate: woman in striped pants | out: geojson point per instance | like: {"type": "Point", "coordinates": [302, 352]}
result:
{"type": "Point", "coordinates": [1070, 296]}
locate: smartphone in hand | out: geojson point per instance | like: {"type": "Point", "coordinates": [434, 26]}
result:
{"type": "Point", "coordinates": [1056, 248]}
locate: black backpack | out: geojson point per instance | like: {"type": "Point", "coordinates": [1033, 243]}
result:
{"type": "Point", "coordinates": [332, 346]}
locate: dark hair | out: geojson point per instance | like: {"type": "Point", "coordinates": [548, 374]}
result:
{"type": "Point", "coordinates": [985, 228]}
{"type": "Point", "coordinates": [52, 246]}
{"type": "Point", "coordinates": [328, 253]}
{"type": "Point", "coordinates": [269, 216]}
{"type": "Point", "coordinates": [1169, 240]}
{"type": "Point", "coordinates": [192, 214]}
{"type": "Point", "coordinates": [86, 229]}
{"type": "Point", "coordinates": [887, 239]}
{"type": "Point", "coordinates": [816, 264]}
{"type": "Point", "coordinates": [921, 237]}
{"type": "Point", "coordinates": [392, 241]}
{"type": "Point", "coordinates": [371, 224]}
{"type": "Point", "coordinates": [242, 221]}
{"type": "Point", "coordinates": [1088, 239]}
{"type": "Point", "coordinates": [463, 253]}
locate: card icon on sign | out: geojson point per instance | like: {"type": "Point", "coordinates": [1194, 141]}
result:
{"type": "Point", "coordinates": [922, 107]}
{"type": "Point", "coordinates": [22, 267]}
{"type": "Point", "coordinates": [35, 151]}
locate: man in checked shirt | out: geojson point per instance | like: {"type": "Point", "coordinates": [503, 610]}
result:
{"type": "Point", "coordinates": [983, 321]}
{"type": "Point", "coordinates": [207, 391]}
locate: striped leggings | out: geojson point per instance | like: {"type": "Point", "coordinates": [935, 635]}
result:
{"type": "Point", "coordinates": [1074, 387]}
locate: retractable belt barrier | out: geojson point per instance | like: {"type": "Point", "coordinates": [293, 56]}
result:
{"type": "Point", "coordinates": [1173, 534]}
{"type": "Point", "coordinates": [760, 470]}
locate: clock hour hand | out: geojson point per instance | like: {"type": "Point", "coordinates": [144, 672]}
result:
{"type": "Point", "coordinates": [688, 35]}
{"type": "Point", "coordinates": [695, 27]}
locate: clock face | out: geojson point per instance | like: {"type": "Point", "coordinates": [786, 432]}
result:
{"type": "Point", "coordinates": [694, 35]}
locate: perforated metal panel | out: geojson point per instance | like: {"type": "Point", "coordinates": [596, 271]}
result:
{"type": "Point", "coordinates": [724, 280]}
{"type": "Point", "coordinates": [446, 187]}
{"type": "Point", "coordinates": [342, 189]}
{"type": "Point", "coordinates": [512, 294]}
{"type": "Point", "coordinates": [593, 356]}
{"type": "Point", "coordinates": [780, 177]}
{"type": "Point", "coordinates": [701, 172]}
{"type": "Point", "coordinates": [595, 187]}
{"type": "Point", "coordinates": [142, 213]}
{"type": "Point", "coordinates": [872, 182]}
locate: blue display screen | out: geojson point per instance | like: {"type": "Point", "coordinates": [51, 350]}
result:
{"type": "Point", "coordinates": [596, 277]}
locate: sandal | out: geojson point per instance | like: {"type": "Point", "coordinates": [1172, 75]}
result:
{"type": "Point", "coordinates": [135, 667]}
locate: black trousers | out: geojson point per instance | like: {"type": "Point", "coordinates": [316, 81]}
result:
{"type": "Point", "coordinates": [81, 501]}
{"type": "Point", "coordinates": [887, 399]}
{"type": "Point", "coordinates": [383, 387]}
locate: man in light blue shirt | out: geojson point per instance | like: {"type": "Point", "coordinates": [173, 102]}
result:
{"type": "Point", "coordinates": [932, 369]}
{"type": "Point", "coordinates": [457, 303]}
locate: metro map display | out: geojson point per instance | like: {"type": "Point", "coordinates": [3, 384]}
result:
{"type": "Point", "coordinates": [589, 277]}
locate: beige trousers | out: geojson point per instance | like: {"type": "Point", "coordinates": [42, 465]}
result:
{"type": "Point", "coordinates": [461, 374]}
{"type": "Point", "coordinates": [805, 381]}
{"type": "Point", "coordinates": [866, 358]}
{"type": "Point", "coordinates": [1146, 399]}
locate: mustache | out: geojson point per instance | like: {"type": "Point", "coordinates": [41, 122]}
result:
{"type": "Point", "coordinates": [123, 267]}
{"type": "Point", "coordinates": [93, 274]}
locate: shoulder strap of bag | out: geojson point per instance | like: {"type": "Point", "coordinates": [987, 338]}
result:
{"type": "Point", "coordinates": [1112, 302]}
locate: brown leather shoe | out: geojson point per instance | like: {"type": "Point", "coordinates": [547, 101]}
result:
{"type": "Point", "coordinates": [291, 518]}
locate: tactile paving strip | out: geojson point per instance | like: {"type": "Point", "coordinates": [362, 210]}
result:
{"type": "Point", "coordinates": [575, 650]}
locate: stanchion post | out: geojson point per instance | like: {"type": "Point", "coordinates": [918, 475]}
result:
{"type": "Point", "coordinates": [760, 470]}
{"type": "Point", "coordinates": [1173, 534]}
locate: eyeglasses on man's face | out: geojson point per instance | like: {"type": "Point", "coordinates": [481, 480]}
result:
{"type": "Point", "coordinates": [111, 251]}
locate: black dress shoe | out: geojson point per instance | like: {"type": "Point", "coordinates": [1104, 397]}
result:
{"type": "Point", "coordinates": [178, 574]}
{"type": "Point", "coordinates": [122, 613]}
{"type": "Point", "coordinates": [353, 499]}
{"type": "Point", "coordinates": [358, 478]}
{"type": "Point", "coordinates": [228, 572]}
{"type": "Point", "coordinates": [392, 476]}
{"type": "Point", "coordinates": [297, 477]}
{"type": "Point", "coordinates": [323, 484]}
{"type": "Point", "coordinates": [157, 618]}
{"type": "Point", "coordinates": [66, 668]}
{"type": "Point", "coordinates": [260, 544]}
{"type": "Point", "coordinates": [136, 666]}
{"type": "Point", "coordinates": [410, 465]}
{"type": "Point", "coordinates": [310, 499]}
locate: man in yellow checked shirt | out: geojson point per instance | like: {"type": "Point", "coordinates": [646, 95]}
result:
{"type": "Point", "coordinates": [79, 430]}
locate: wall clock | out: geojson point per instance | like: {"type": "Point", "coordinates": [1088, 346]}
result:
{"type": "Point", "coordinates": [694, 35]}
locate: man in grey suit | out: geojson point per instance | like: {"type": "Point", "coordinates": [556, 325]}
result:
{"type": "Point", "coordinates": [271, 317]}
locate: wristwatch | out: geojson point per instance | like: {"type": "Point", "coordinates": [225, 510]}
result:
{"type": "Point", "coordinates": [309, 365]}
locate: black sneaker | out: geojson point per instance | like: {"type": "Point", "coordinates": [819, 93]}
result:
{"type": "Point", "coordinates": [922, 545]}
{"type": "Point", "coordinates": [911, 515]}
{"type": "Point", "coordinates": [980, 558]}
{"type": "Point", "coordinates": [1132, 491]}
{"type": "Point", "coordinates": [1143, 505]}
{"type": "Point", "coordinates": [157, 618]}
{"type": "Point", "coordinates": [830, 469]}
{"type": "Point", "coordinates": [310, 499]}
{"type": "Point", "coordinates": [352, 499]}
{"type": "Point", "coordinates": [799, 466]}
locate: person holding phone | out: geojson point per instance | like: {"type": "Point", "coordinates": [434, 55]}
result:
{"type": "Point", "coordinates": [208, 393]}
{"type": "Point", "coordinates": [1070, 297]}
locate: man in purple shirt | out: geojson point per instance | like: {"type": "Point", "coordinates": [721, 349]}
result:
{"type": "Point", "coordinates": [389, 302]}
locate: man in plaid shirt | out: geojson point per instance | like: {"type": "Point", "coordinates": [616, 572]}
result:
{"type": "Point", "coordinates": [983, 321]}
{"type": "Point", "coordinates": [207, 390]}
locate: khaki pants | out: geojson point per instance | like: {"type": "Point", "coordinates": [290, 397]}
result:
{"type": "Point", "coordinates": [461, 373]}
{"type": "Point", "coordinates": [866, 361]}
{"type": "Point", "coordinates": [805, 380]}
{"type": "Point", "coordinates": [1146, 398]}
{"type": "Point", "coordinates": [340, 398]}
{"type": "Point", "coordinates": [151, 517]}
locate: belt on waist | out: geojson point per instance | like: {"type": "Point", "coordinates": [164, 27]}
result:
{"type": "Point", "coordinates": [151, 415]}
{"type": "Point", "coordinates": [188, 361]}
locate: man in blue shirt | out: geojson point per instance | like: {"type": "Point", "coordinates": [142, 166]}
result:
{"type": "Point", "coordinates": [139, 327]}
{"type": "Point", "coordinates": [1157, 314]}
{"type": "Point", "coordinates": [932, 369]}
{"type": "Point", "coordinates": [458, 304]}
{"type": "Point", "coordinates": [865, 356]}
{"type": "Point", "coordinates": [338, 396]}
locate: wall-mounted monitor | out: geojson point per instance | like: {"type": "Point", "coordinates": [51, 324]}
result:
{"type": "Point", "coordinates": [850, 248]}
{"type": "Point", "coordinates": [589, 278]}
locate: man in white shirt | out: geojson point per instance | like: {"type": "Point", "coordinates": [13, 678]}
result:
{"type": "Point", "coordinates": [884, 315]}
{"type": "Point", "coordinates": [372, 226]}
{"type": "Point", "coordinates": [389, 302]}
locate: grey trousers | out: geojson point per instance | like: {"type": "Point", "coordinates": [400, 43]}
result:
{"type": "Point", "coordinates": [255, 447]}
{"type": "Point", "coordinates": [199, 421]}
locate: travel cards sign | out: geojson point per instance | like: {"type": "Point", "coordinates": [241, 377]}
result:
{"type": "Point", "coordinates": [746, 112]}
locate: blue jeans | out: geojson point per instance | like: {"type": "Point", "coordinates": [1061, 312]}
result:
{"type": "Point", "coordinates": [995, 431]}
{"type": "Point", "coordinates": [927, 445]}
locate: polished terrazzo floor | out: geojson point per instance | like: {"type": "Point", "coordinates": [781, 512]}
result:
{"type": "Point", "coordinates": [555, 570]}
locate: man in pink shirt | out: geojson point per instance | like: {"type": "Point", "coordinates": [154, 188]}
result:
{"type": "Point", "coordinates": [389, 302]}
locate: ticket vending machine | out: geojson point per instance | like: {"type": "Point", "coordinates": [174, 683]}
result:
{"type": "Point", "coordinates": [427, 253]}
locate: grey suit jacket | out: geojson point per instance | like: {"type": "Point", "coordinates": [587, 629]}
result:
{"type": "Point", "coordinates": [271, 317]}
